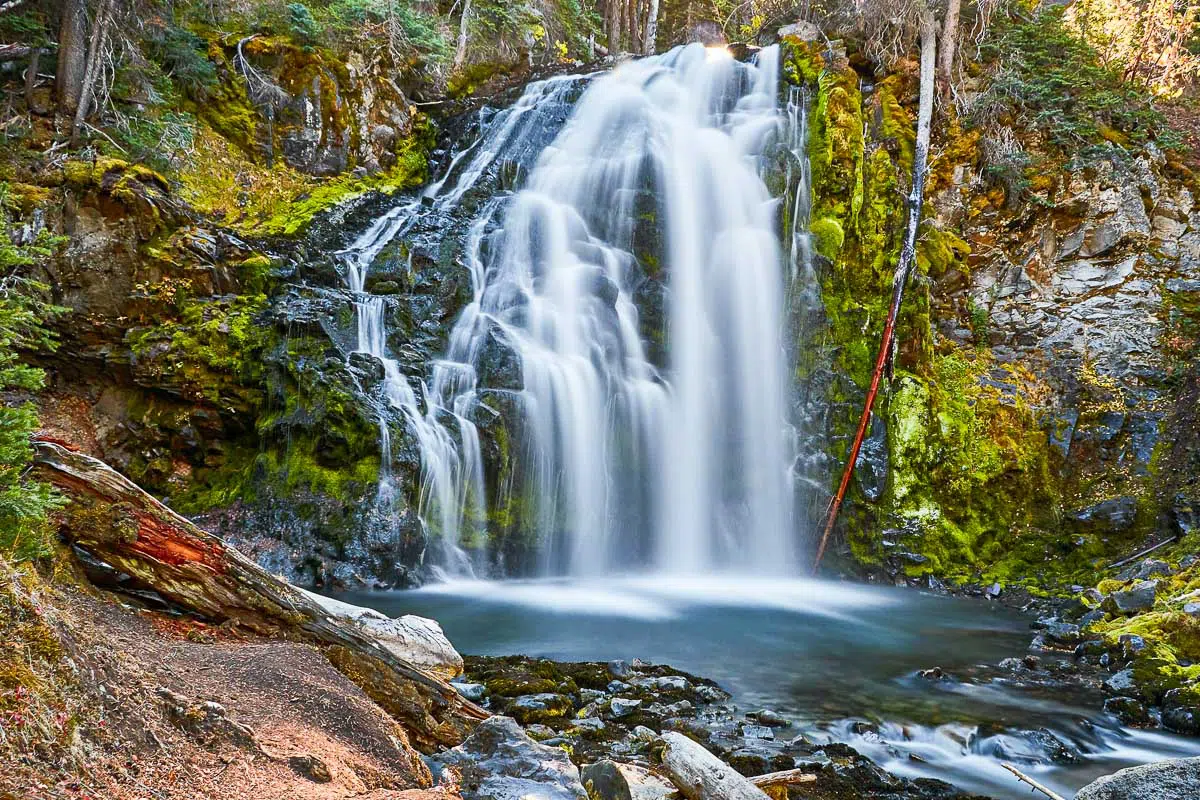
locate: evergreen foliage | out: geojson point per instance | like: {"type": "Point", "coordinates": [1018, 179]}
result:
{"type": "Point", "coordinates": [23, 502]}
{"type": "Point", "coordinates": [1054, 82]}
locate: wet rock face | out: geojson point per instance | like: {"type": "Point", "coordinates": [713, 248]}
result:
{"type": "Point", "coordinates": [1165, 780]}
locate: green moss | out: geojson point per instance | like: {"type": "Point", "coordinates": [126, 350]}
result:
{"type": "Point", "coordinates": [828, 237]}
{"type": "Point", "coordinates": [211, 351]}
{"type": "Point", "coordinates": [410, 171]}
{"type": "Point", "coordinates": [254, 273]}
{"type": "Point", "coordinates": [939, 250]}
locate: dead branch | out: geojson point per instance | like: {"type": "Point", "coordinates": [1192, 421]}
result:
{"type": "Point", "coordinates": [1037, 786]}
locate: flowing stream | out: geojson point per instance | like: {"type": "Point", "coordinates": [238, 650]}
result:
{"type": "Point", "coordinates": [840, 661]}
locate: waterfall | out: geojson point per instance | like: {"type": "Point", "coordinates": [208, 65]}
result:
{"type": "Point", "coordinates": [675, 456]}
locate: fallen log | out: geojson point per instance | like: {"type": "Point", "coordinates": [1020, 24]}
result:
{"type": "Point", "coordinates": [788, 777]}
{"type": "Point", "coordinates": [702, 776]}
{"type": "Point", "coordinates": [113, 520]}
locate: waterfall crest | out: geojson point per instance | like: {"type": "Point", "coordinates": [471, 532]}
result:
{"type": "Point", "coordinates": [653, 443]}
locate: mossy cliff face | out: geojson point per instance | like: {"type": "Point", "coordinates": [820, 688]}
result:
{"type": "Point", "coordinates": [1022, 435]}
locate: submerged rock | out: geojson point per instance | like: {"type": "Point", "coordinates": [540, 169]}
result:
{"type": "Point", "coordinates": [1175, 779]}
{"type": "Point", "coordinates": [500, 762]}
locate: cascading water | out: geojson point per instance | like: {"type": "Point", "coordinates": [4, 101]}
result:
{"type": "Point", "coordinates": [678, 459]}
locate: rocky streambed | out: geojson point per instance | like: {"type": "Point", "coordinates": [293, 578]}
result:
{"type": "Point", "coordinates": [876, 693]}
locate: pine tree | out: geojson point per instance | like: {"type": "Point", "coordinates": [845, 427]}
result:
{"type": "Point", "coordinates": [24, 502]}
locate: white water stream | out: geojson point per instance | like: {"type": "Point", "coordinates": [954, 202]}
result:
{"type": "Point", "coordinates": [695, 455]}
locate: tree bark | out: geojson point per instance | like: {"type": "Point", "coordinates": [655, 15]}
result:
{"type": "Point", "coordinates": [116, 522]}
{"type": "Point", "coordinates": [615, 8]}
{"type": "Point", "coordinates": [31, 77]}
{"type": "Point", "coordinates": [95, 45]}
{"type": "Point", "coordinates": [949, 46]}
{"type": "Point", "coordinates": [72, 56]}
{"type": "Point", "coordinates": [908, 259]}
{"type": "Point", "coordinates": [702, 776]}
{"type": "Point", "coordinates": [460, 53]}
{"type": "Point", "coordinates": [650, 45]}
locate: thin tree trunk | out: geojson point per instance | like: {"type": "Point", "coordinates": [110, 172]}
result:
{"type": "Point", "coordinates": [31, 75]}
{"type": "Point", "coordinates": [72, 56]}
{"type": "Point", "coordinates": [908, 259]}
{"type": "Point", "coordinates": [460, 54]}
{"type": "Point", "coordinates": [949, 46]}
{"type": "Point", "coordinates": [95, 45]}
{"type": "Point", "coordinates": [615, 8]}
{"type": "Point", "coordinates": [650, 45]}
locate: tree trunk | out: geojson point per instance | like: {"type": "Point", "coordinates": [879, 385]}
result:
{"type": "Point", "coordinates": [650, 45]}
{"type": "Point", "coordinates": [615, 8]}
{"type": "Point", "coordinates": [72, 56]}
{"type": "Point", "coordinates": [95, 45]}
{"type": "Point", "coordinates": [31, 77]}
{"type": "Point", "coordinates": [949, 46]}
{"type": "Point", "coordinates": [460, 54]}
{"type": "Point", "coordinates": [116, 522]}
{"type": "Point", "coordinates": [908, 259]}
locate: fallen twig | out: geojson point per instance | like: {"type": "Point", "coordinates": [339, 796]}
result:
{"type": "Point", "coordinates": [1026, 779]}
{"type": "Point", "coordinates": [1145, 552]}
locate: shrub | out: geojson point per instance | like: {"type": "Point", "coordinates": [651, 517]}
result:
{"type": "Point", "coordinates": [1054, 82]}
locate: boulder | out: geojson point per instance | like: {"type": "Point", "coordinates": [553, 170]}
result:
{"type": "Point", "coordinates": [500, 762]}
{"type": "Point", "coordinates": [418, 640]}
{"type": "Point", "coordinates": [1181, 711]}
{"type": "Point", "coordinates": [1139, 597]}
{"type": "Point", "coordinates": [1174, 779]}
{"type": "Point", "coordinates": [1108, 516]}
{"type": "Point", "coordinates": [611, 780]}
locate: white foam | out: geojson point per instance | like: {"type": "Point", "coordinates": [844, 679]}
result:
{"type": "Point", "coordinates": [658, 597]}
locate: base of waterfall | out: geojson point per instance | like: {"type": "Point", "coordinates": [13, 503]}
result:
{"type": "Point", "coordinates": [667, 596]}
{"type": "Point", "coordinates": [872, 688]}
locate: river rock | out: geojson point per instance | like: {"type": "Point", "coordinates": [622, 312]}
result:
{"type": "Point", "coordinates": [472, 691]}
{"type": "Point", "coordinates": [1128, 711]}
{"type": "Point", "coordinates": [1108, 516]}
{"type": "Point", "coordinates": [417, 640]}
{"type": "Point", "coordinates": [1181, 713]}
{"type": "Point", "coordinates": [700, 775]}
{"type": "Point", "coordinates": [1139, 597]}
{"type": "Point", "coordinates": [1121, 683]}
{"type": "Point", "coordinates": [1149, 568]}
{"type": "Point", "coordinates": [500, 762]}
{"type": "Point", "coordinates": [766, 716]}
{"type": "Point", "coordinates": [611, 780]}
{"type": "Point", "coordinates": [1175, 779]}
{"type": "Point", "coordinates": [623, 706]}
{"type": "Point", "coordinates": [538, 708]}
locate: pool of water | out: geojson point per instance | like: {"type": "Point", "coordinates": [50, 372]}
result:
{"type": "Point", "coordinates": [823, 654]}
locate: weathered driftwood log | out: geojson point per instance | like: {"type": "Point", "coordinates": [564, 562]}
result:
{"type": "Point", "coordinates": [115, 521]}
{"type": "Point", "coordinates": [788, 777]}
{"type": "Point", "coordinates": [702, 776]}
